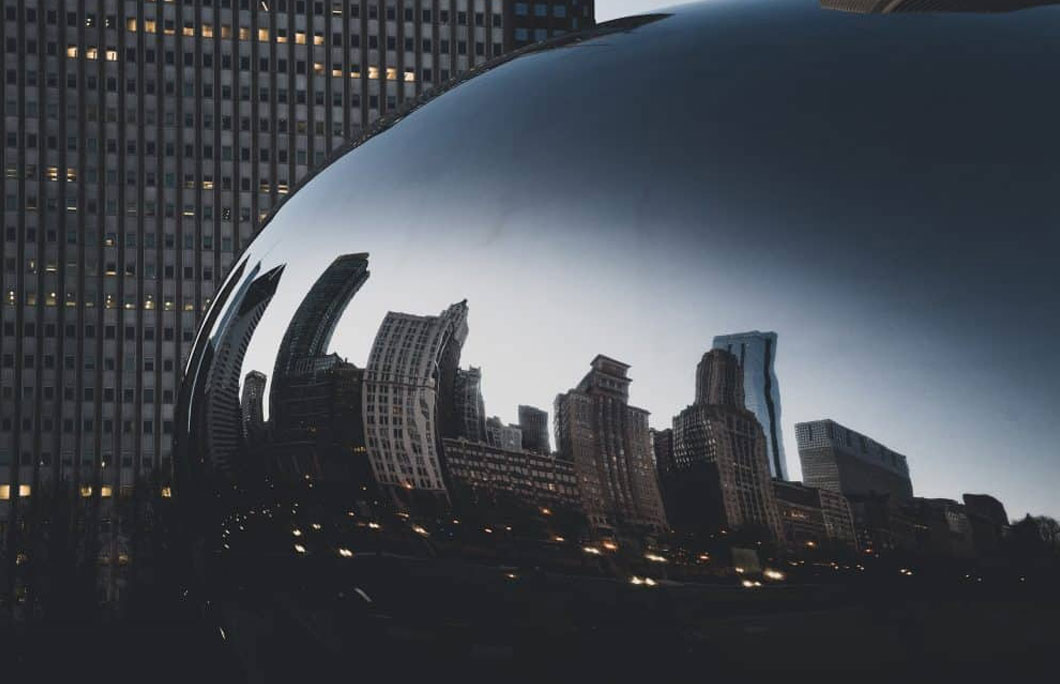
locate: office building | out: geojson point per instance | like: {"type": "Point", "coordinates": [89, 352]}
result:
{"type": "Point", "coordinates": [144, 143]}
{"type": "Point", "coordinates": [487, 474]}
{"type": "Point", "coordinates": [842, 460]}
{"type": "Point", "coordinates": [756, 352]}
{"type": "Point", "coordinates": [721, 478]}
{"type": "Point", "coordinates": [534, 424]}
{"type": "Point", "coordinates": [942, 528]}
{"type": "Point", "coordinates": [252, 405]}
{"type": "Point", "coordinates": [989, 521]}
{"type": "Point", "coordinates": [469, 406]}
{"type": "Point", "coordinates": [813, 517]}
{"type": "Point", "coordinates": [608, 442]}
{"type": "Point", "coordinates": [503, 436]}
{"type": "Point", "coordinates": [408, 388]}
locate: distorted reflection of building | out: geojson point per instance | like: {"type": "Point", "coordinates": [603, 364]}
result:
{"type": "Point", "coordinates": [883, 522]}
{"type": "Point", "coordinates": [989, 522]}
{"type": "Point", "coordinates": [842, 460]}
{"type": "Point", "coordinates": [534, 424]}
{"type": "Point", "coordinates": [608, 442]}
{"type": "Point", "coordinates": [813, 516]}
{"type": "Point", "coordinates": [942, 528]}
{"type": "Point", "coordinates": [408, 397]}
{"type": "Point", "coordinates": [756, 352]}
{"type": "Point", "coordinates": [483, 473]}
{"type": "Point", "coordinates": [252, 405]}
{"type": "Point", "coordinates": [317, 427]}
{"type": "Point", "coordinates": [315, 397]}
{"type": "Point", "coordinates": [223, 414]}
{"type": "Point", "coordinates": [503, 436]}
{"type": "Point", "coordinates": [721, 476]}
{"type": "Point", "coordinates": [309, 332]}
{"type": "Point", "coordinates": [468, 404]}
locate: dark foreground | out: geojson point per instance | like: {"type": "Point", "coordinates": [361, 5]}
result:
{"type": "Point", "coordinates": [475, 622]}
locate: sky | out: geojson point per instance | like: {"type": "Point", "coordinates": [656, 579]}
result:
{"type": "Point", "coordinates": [877, 190]}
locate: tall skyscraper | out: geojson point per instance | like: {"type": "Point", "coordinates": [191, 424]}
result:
{"type": "Point", "coordinates": [405, 396]}
{"type": "Point", "coordinates": [309, 332]}
{"type": "Point", "coordinates": [534, 424]}
{"type": "Point", "coordinates": [224, 415]}
{"type": "Point", "coordinates": [842, 460]}
{"type": "Point", "coordinates": [608, 442]}
{"type": "Point", "coordinates": [469, 406]}
{"type": "Point", "coordinates": [252, 405]}
{"type": "Point", "coordinates": [144, 142]}
{"type": "Point", "coordinates": [720, 477]}
{"type": "Point", "coordinates": [756, 352]}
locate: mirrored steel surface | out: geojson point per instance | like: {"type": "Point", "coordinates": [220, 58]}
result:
{"type": "Point", "coordinates": [581, 198]}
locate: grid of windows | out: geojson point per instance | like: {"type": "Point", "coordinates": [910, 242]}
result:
{"type": "Point", "coordinates": [143, 144]}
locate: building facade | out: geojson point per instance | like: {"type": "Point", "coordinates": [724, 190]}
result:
{"type": "Point", "coordinates": [812, 516]}
{"type": "Point", "coordinates": [503, 436]}
{"type": "Point", "coordinates": [490, 473]}
{"type": "Point", "coordinates": [607, 440]}
{"type": "Point", "coordinates": [405, 396]}
{"type": "Point", "coordinates": [721, 477]}
{"type": "Point", "coordinates": [839, 459]}
{"type": "Point", "coordinates": [756, 352]}
{"type": "Point", "coordinates": [143, 144]}
{"type": "Point", "coordinates": [534, 424]}
{"type": "Point", "coordinates": [469, 406]}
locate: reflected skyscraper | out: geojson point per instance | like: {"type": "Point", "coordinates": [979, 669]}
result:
{"type": "Point", "coordinates": [608, 441]}
{"type": "Point", "coordinates": [224, 418]}
{"type": "Point", "coordinates": [534, 424]}
{"type": "Point", "coordinates": [313, 324]}
{"type": "Point", "coordinates": [469, 407]}
{"type": "Point", "coordinates": [756, 352]}
{"type": "Point", "coordinates": [407, 391]}
{"type": "Point", "coordinates": [842, 460]}
{"type": "Point", "coordinates": [720, 478]}
{"type": "Point", "coordinates": [252, 405]}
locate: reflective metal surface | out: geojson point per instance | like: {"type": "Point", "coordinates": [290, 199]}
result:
{"type": "Point", "coordinates": [629, 192]}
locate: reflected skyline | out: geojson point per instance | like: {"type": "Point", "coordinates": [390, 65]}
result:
{"type": "Point", "coordinates": [866, 237]}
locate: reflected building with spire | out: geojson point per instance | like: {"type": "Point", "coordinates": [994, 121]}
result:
{"type": "Point", "coordinates": [608, 443]}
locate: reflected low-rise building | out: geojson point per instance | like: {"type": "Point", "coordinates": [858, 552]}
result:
{"type": "Point", "coordinates": [813, 515]}
{"type": "Point", "coordinates": [486, 473]}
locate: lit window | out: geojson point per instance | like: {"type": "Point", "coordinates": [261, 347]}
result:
{"type": "Point", "coordinates": [130, 24]}
{"type": "Point", "coordinates": [263, 34]}
{"type": "Point", "coordinates": [391, 74]}
{"type": "Point", "coordinates": [71, 51]}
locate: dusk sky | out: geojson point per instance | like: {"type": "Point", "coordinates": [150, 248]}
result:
{"type": "Point", "coordinates": [865, 189]}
